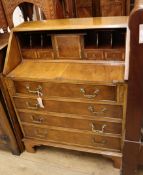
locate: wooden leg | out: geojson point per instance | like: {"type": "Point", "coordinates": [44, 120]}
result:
{"type": "Point", "coordinates": [117, 162]}
{"type": "Point", "coordinates": [29, 147]}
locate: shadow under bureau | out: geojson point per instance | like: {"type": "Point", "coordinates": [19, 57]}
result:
{"type": "Point", "coordinates": [66, 79]}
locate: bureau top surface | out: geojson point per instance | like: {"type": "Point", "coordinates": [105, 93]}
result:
{"type": "Point", "coordinates": [74, 23]}
{"type": "Point", "coordinates": [68, 72]}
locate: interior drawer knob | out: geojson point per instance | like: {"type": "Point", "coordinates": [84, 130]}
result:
{"type": "Point", "coordinates": [98, 131]}
{"type": "Point", "coordinates": [93, 111]}
{"type": "Point", "coordinates": [95, 93]}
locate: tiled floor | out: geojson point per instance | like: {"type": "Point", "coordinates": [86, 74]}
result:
{"type": "Point", "coordinates": [51, 161]}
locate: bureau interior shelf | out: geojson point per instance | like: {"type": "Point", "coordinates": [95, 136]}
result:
{"type": "Point", "coordinates": [68, 72]}
{"type": "Point", "coordinates": [57, 48]}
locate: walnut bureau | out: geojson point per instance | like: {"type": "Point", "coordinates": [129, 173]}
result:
{"type": "Point", "coordinates": [66, 79]}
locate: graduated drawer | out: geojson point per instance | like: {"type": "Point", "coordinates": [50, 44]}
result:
{"type": "Point", "coordinates": [92, 54]}
{"type": "Point", "coordinates": [91, 109]}
{"type": "Point", "coordinates": [85, 91]}
{"type": "Point", "coordinates": [73, 138]}
{"type": "Point", "coordinates": [96, 126]}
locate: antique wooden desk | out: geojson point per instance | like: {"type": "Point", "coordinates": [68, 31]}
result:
{"type": "Point", "coordinates": [66, 79]}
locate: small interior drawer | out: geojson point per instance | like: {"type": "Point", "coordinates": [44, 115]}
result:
{"type": "Point", "coordinates": [73, 138]}
{"type": "Point", "coordinates": [45, 54]}
{"type": "Point", "coordinates": [116, 55]}
{"type": "Point", "coordinates": [94, 54]}
{"type": "Point", "coordinates": [29, 53]}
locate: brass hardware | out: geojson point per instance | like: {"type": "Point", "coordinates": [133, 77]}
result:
{"type": "Point", "coordinates": [37, 120]}
{"type": "Point", "coordinates": [98, 131]}
{"type": "Point", "coordinates": [92, 110]}
{"type": "Point", "coordinates": [95, 93]}
{"type": "Point", "coordinates": [102, 143]}
{"type": "Point", "coordinates": [37, 91]}
{"type": "Point", "coordinates": [36, 106]}
{"type": "Point", "coordinates": [41, 134]}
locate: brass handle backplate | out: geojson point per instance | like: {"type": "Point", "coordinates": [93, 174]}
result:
{"type": "Point", "coordinates": [41, 134]}
{"type": "Point", "coordinates": [98, 131]}
{"type": "Point", "coordinates": [95, 93]}
{"type": "Point", "coordinates": [93, 111]}
{"type": "Point", "coordinates": [37, 120]}
{"type": "Point", "coordinates": [37, 91]}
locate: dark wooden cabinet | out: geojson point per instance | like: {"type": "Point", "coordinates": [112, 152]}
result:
{"type": "Point", "coordinates": [90, 8]}
{"type": "Point", "coordinates": [112, 7]}
{"type": "Point", "coordinates": [84, 8]}
{"type": "Point", "coordinates": [133, 143]}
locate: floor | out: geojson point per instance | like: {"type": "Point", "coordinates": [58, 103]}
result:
{"type": "Point", "coordinates": [51, 161]}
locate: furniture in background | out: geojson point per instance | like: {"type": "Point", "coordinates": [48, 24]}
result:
{"type": "Point", "coordinates": [90, 8]}
{"type": "Point", "coordinates": [10, 133]}
{"type": "Point", "coordinates": [50, 8]}
{"type": "Point", "coordinates": [3, 20]}
{"type": "Point", "coordinates": [133, 143]}
{"type": "Point", "coordinates": [74, 96]}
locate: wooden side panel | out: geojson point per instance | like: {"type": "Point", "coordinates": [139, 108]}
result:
{"type": "Point", "coordinates": [11, 113]}
{"type": "Point", "coordinates": [6, 136]}
{"type": "Point", "coordinates": [13, 57]}
{"type": "Point", "coordinates": [135, 84]}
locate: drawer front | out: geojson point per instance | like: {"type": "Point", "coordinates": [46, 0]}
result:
{"type": "Point", "coordinates": [72, 138]}
{"type": "Point", "coordinates": [112, 111]}
{"type": "Point", "coordinates": [29, 54]}
{"type": "Point", "coordinates": [115, 55]}
{"type": "Point", "coordinates": [94, 55]}
{"type": "Point", "coordinates": [92, 92]}
{"type": "Point", "coordinates": [64, 121]}
{"type": "Point", "coordinates": [45, 54]}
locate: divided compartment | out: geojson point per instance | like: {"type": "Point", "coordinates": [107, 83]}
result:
{"type": "Point", "coordinates": [105, 44]}
{"type": "Point", "coordinates": [35, 40]}
{"type": "Point", "coordinates": [93, 44]}
{"type": "Point", "coordinates": [36, 45]}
